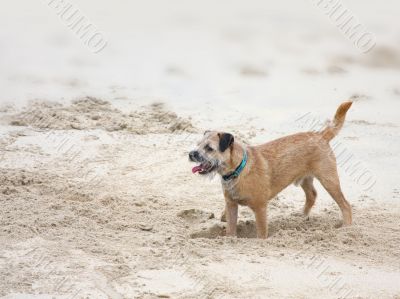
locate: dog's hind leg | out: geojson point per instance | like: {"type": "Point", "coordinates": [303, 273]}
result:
{"type": "Point", "coordinates": [329, 179]}
{"type": "Point", "coordinates": [311, 193]}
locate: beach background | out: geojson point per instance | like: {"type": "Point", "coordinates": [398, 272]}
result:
{"type": "Point", "coordinates": [97, 198]}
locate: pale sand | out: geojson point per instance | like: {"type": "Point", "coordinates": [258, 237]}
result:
{"type": "Point", "coordinates": [97, 199]}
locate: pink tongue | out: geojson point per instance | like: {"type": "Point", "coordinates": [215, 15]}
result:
{"type": "Point", "coordinates": [197, 169]}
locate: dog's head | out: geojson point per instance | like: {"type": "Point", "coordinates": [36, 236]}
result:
{"type": "Point", "coordinates": [212, 152]}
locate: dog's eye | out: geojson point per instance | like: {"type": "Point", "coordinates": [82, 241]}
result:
{"type": "Point", "coordinates": [208, 148]}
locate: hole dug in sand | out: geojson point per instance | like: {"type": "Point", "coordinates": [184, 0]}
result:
{"type": "Point", "coordinates": [283, 230]}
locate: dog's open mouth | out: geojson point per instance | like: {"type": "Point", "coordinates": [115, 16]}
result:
{"type": "Point", "coordinates": [203, 168]}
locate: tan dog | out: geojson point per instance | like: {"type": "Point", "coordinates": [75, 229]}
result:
{"type": "Point", "coordinates": [271, 167]}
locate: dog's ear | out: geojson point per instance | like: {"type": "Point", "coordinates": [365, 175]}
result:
{"type": "Point", "coordinates": [206, 131]}
{"type": "Point", "coordinates": [225, 141]}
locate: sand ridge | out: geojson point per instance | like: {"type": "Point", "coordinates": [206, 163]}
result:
{"type": "Point", "coordinates": [93, 113]}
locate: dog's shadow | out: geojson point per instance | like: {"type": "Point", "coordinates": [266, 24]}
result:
{"type": "Point", "coordinates": [247, 229]}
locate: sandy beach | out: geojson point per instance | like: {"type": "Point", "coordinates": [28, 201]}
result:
{"type": "Point", "coordinates": [97, 197]}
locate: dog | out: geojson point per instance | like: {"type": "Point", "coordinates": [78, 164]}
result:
{"type": "Point", "coordinates": [253, 175]}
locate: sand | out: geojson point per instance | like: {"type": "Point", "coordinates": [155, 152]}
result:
{"type": "Point", "coordinates": [92, 113]}
{"type": "Point", "coordinates": [97, 198]}
{"type": "Point", "coordinates": [117, 213]}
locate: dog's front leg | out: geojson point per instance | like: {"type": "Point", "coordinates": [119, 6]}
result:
{"type": "Point", "coordinates": [231, 213]}
{"type": "Point", "coordinates": [260, 212]}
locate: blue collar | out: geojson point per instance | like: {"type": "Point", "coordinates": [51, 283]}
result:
{"type": "Point", "coordinates": [238, 170]}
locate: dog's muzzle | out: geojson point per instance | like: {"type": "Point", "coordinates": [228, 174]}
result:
{"type": "Point", "coordinates": [194, 156]}
{"type": "Point", "coordinates": [204, 167]}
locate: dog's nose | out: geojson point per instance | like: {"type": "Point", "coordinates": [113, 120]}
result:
{"type": "Point", "coordinates": [193, 156]}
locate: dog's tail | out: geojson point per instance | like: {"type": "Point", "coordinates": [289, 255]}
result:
{"type": "Point", "coordinates": [334, 127]}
